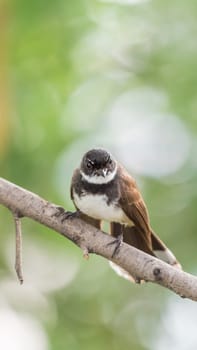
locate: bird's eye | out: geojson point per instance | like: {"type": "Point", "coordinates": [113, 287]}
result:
{"type": "Point", "coordinates": [110, 161]}
{"type": "Point", "coordinates": [90, 164]}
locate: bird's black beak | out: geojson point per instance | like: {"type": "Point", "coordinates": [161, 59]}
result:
{"type": "Point", "coordinates": [101, 172]}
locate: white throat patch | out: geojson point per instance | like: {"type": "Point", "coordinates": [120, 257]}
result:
{"type": "Point", "coordinates": [99, 180]}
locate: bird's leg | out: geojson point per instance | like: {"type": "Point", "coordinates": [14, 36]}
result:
{"type": "Point", "coordinates": [117, 242]}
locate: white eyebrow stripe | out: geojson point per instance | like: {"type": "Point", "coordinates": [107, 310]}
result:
{"type": "Point", "coordinates": [91, 161]}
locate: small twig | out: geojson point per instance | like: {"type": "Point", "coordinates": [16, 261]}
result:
{"type": "Point", "coordinates": [85, 253]}
{"type": "Point", "coordinates": [18, 257]}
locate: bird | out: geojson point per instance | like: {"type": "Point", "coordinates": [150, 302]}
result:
{"type": "Point", "coordinates": [103, 190]}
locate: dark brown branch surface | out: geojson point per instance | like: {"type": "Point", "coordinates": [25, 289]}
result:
{"type": "Point", "coordinates": [91, 240]}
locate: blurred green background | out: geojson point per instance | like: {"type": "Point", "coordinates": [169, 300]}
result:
{"type": "Point", "coordinates": [120, 74]}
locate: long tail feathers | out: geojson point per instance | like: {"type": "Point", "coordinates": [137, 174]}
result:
{"type": "Point", "coordinates": [133, 236]}
{"type": "Point", "coordinates": [152, 245]}
{"type": "Point", "coordinates": [162, 252]}
{"type": "Point", "coordinates": [121, 272]}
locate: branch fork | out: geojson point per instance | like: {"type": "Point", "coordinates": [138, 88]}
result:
{"type": "Point", "coordinates": [25, 203]}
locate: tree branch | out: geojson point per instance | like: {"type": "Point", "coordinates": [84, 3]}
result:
{"type": "Point", "coordinates": [91, 240]}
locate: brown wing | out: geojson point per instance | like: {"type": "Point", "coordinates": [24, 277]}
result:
{"type": "Point", "coordinates": [140, 235]}
{"type": "Point", "coordinates": [76, 183]}
{"type": "Point", "coordinates": [134, 207]}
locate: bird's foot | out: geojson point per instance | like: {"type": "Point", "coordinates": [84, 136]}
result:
{"type": "Point", "coordinates": [117, 241]}
{"type": "Point", "coordinates": [65, 214]}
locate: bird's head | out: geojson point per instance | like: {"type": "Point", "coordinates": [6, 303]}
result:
{"type": "Point", "coordinates": [98, 166]}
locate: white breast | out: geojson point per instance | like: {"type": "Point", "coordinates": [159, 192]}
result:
{"type": "Point", "coordinates": [96, 206]}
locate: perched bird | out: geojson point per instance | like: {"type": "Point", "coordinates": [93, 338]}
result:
{"type": "Point", "coordinates": [102, 190]}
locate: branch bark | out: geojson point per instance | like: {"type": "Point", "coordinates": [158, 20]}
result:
{"type": "Point", "coordinates": [92, 240]}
